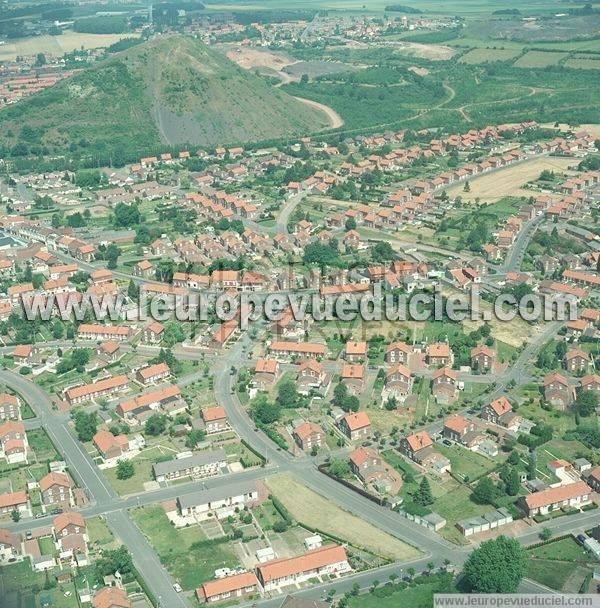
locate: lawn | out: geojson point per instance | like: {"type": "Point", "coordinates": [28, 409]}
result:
{"type": "Point", "coordinates": [561, 564]}
{"type": "Point", "coordinates": [418, 595]}
{"type": "Point", "coordinates": [42, 445]}
{"type": "Point", "coordinates": [313, 511]}
{"type": "Point", "coordinates": [565, 549]}
{"type": "Point", "coordinates": [552, 573]}
{"type": "Point", "coordinates": [467, 465]}
{"type": "Point", "coordinates": [186, 553]}
{"type": "Point", "coordinates": [98, 532]}
{"type": "Point", "coordinates": [46, 546]}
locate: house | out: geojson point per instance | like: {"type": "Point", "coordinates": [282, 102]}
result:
{"type": "Point", "coordinates": [308, 435]}
{"type": "Point", "coordinates": [109, 351]}
{"type": "Point", "coordinates": [413, 444]}
{"type": "Point", "coordinates": [558, 391]}
{"type": "Point", "coordinates": [483, 358]}
{"type": "Point", "coordinates": [14, 500]}
{"type": "Point", "coordinates": [577, 361]}
{"type": "Point", "coordinates": [570, 495]}
{"type": "Point", "coordinates": [456, 427]}
{"type": "Point", "coordinates": [68, 523]}
{"type": "Point", "coordinates": [439, 354]}
{"type": "Point", "coordinates": [356, 425]}
{"type": "Point", "coordinates": [444, 385]}
{"type": "Point", "coordinates": [310, 376]}
{"type": "Point", "coordinates": [203, 503]}
{"type": "Point", "coordinates": [398, 381]}
{"type": "Point", "coordinates": [109, 445]}
{"type": "Point", "coordinates": [202, 464]}
{"type": "Point", "coordinates": [266, 373]}
{"type": "Point", "coordinates": [153, 373]}
{"type": "Point", "coordinates": [215, 419]}
{"type": "Point", "coordinates": [23, 354]}
{"type": "Point", "coordinates": [143, 269]}
{"type": "Point", "coordinates": [499, 411]}
{"type": "Point", "coordinates": [592, 478]}
{"type": "Point", "coordinates": [228, 587]}
{"type": "Point", "coordinates": [591, 383]}
{"type": "Point", "coordinates": [325, 561]}
{"type": "Point", "coordinates": [10, 546]}
{"type": "Point", "coordinates": [398, 352]}
{"type": "Point", "coordinates": [13, 442]}
{"type": "Point", "coordinates": [55, 488]}
{"type": "Point", "coordinates": [153, 332]}
{"type": "Point", "coordinates": [111, 597]}
{"type": "Point", "coordinates": [9, 407]}
{"type": "Point", "coordinates": [355, 352]}
{"type": "Point", "coordinates": [371, 469]}
{"type": "Point", "coordinates": [353, 376]}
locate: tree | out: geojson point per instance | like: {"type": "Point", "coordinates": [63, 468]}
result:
{"type": "Point", "coordinates": [156, 424]}
{"type": "Point", "coordinates": [85, 425]}
{"type": "Point", "coordinates": [497, 566]}
{"type": "Point", "coordinates": [173, 333]}
{"type": "Point", "coordinates": [125, 469]}
{"type": "Point", "coordinates": [586, 402]}
{"type": "Point", "coordinates": [513, 482]}
{"type": "Point", "coordinates": [15, 515]}
{"type": "Point", "coordinates": [340, 468]}
{"type": "Point", "coordinates": [424, 496]}
{"type": "Point", "coordinates": [264, 411]}
{"type": "Point", "coordinates": [132, 290]}
{"type": "Point", "coordinates": [287, 394]}
{"type": "Point", "coordinates": [279, 526]}
{"type": "Point", "coordinates": [545, 534]}
{"type": "Point", "coordinates": [194, 437]}
{"type": "Point", "coordinates": [126, 215]}
{"type": "Point", "coordinates": [383, 252]}
{"type": "Point", "coordinates": [350, 224]}
{"type": "Point", "coordinates": [485, 491]}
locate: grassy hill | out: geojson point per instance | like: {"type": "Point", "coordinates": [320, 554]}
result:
{"type": "Point", "coordinates": [170, 91]}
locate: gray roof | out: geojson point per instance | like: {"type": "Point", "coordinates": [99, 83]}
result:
{"type": "Point", "coordinates": [197, 460]}
{"type": "Point", "coordinates": [203, 497]}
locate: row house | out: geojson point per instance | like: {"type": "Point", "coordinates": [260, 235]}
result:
{"type": "Point", "coordinates": [327, 561]}
{"type": "Point", "coordinates": [201, 504]}
{"type": "Point", "coordinates": [153, 373]}
{"type": "Point", "coordinates": [200, 465]}
{"type": "Point", "coordinates": [572, 495]}
{"type": "Point", "coordinates": [141, 407]}
{"type": "Point", "coordinates": [301, 350]}
{"type": "Point", "coordinates": [95, 390]}
{"type": "Point", "coordinates": [87, 331]}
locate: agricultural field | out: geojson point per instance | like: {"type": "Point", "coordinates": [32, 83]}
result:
{"type": "Point", "coordinates": [314, 511]}
{"type": "Point", "coordinates": [58, 45]}
{"type": "Point", "coordinates": [583, 63]}
{"type": "Point", "coordinates": [487, 55]}
{"type": "Point", "coordinates": [539, 59]}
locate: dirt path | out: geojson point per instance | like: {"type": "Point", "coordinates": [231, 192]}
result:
{"type": "Point", "coordinates": [335, 120]}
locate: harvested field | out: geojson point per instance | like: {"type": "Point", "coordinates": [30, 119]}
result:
{"type": "Point", "coordinates": [489, 55]}
{"type": "Point", "coordinates": [311, 509]}
{"type": "Point", "coordinates": [509, 181]}
{"type": "Point", "coordinates": [58, 45]}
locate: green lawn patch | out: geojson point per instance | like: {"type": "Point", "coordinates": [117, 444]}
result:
{"type": "Point", "coordinates": [186, 552]}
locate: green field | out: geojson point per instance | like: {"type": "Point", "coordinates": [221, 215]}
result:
{"type": "Point", "coordinates": [481, 55]}
{"type": "Point", "coordinates": [539, 59]}
{"type": "Point", "coordinates": [186, 553]}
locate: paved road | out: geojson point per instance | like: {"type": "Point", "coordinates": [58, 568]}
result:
{"type": "Point", "coordinates": [514, 258]}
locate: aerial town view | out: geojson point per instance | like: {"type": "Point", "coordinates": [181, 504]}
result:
{"type": "Point", "coordinates": [299, 303]}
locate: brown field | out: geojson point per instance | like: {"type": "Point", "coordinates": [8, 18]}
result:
{"type": "Point", "coordinates": [59, 45]}
{"type": "Point", "coordinates": [434, 52]}
{"type": "Point", "coordinates": [509, 181]}
{"type": "Point", "coordinates": [313, 510]}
